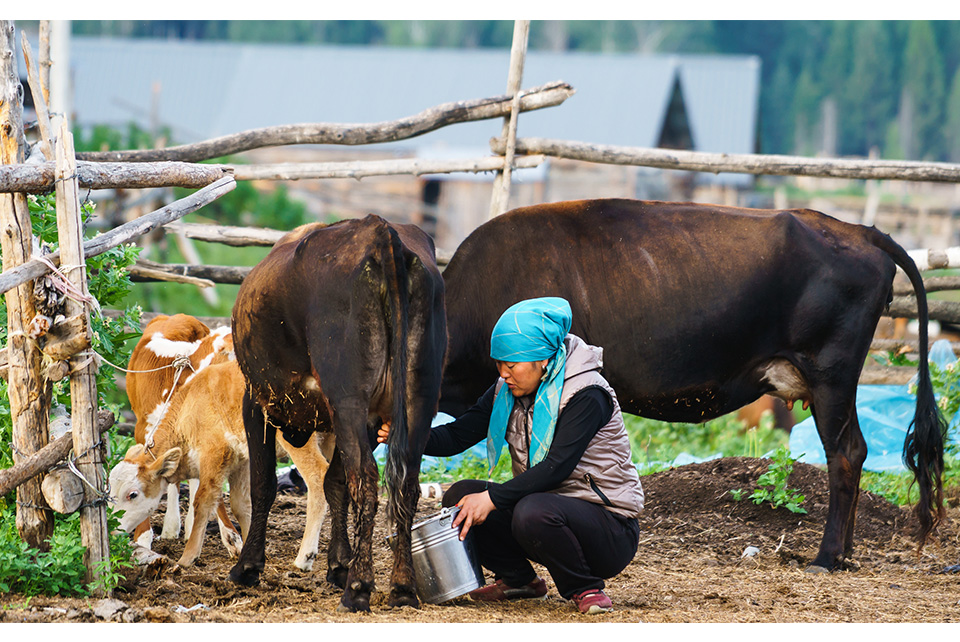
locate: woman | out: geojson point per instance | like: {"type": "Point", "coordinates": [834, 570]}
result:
{"type": "Point", "coordinates": [573, 503]}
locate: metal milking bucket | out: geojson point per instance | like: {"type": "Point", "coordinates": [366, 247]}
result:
{"type": "Point", "coordinates": [445, 566]}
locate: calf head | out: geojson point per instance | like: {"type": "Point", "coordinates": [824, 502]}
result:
{"type": "Point", "coordinates": [137, 483]}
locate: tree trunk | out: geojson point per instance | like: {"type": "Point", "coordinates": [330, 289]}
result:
{"type": "Point", "coordinates": [29, 395]}
{"type": "Point", "coordinates": [518, 54]}
{"type": "Point", "coordinates": [89, 449]}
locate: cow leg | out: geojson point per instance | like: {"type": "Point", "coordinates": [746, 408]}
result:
{"type": "Point", "coordinates": [143, 534]}
{"type": "Point", "coordinates": [208, 494]}
{"type": "Point", "coordinates": [834, 412]}
{"type": "Point", "coordinates": [403, 585]}
{"type": "Point", "coordinates": [239, 501]}
{"type": "Point", "coordinates": [403, 591]}
{"type": "Point", "coordinates": [339, 552]}
{"type": "Point", "coordinates": [362, 478]}
{"type": "Point", "coordinates": [171, 518]}
{"type": "Point", "coordinates": [231, 538]}
{"type": "Point", "coordinates": [192, 485]}
{"type": "Point", "coordinates": [262, 444]}
{"type": "Point", "coordinates": [313, 467]}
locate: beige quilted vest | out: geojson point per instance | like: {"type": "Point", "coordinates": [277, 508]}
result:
{"type": "Point", "coordinates": [606, 474]}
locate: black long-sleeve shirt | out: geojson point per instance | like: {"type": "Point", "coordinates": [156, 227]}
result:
{"type": "Point", "coordinates": [585, 413]}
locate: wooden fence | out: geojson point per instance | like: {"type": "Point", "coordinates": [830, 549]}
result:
{"type": "Point", "coordinates": [177, 166]}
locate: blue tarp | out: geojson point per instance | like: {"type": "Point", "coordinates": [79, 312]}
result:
{"type": "Point", "coordinates": [885, 413]}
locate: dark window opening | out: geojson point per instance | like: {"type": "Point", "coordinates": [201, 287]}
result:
{"type": "Point", "coordinates": [676, 127]}
{"type": "Point", "coordinates": [430, 197]}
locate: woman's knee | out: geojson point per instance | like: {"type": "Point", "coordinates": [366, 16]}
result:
{"type": "Point", "coordinates": [533, 516]}
{"type": "Point", "coordinates": [461, 489]}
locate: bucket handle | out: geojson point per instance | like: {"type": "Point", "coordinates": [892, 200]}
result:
{"type": "Point", "coordinates": [447, 514]}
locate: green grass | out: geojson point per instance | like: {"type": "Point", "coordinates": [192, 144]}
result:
{"type": "Point", "coordinates": [656, 443]}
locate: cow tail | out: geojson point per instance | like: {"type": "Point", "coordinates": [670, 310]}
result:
{"type": "Point", "coordinates": [398, 444]}
{"type": "Point", "coordinates": [924, 443]}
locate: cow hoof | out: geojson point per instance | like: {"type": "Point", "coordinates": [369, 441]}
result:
{"type": "Point", "coordinates": [356, 597]}
{"type": "Point", "coordinates": [244, 576]}
{"type": "Point", "coordinates": [813, 568]}
{"type": "Point", "coordinates": [338, 576]}
{"type": "Point", "coordinates": [357, 604]}
{"type": "Point", "coordinates": [402, 597]}
{"type": "Point", "coordinates": [306, 562]}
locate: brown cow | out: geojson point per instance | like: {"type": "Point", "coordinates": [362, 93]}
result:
{"type": "Point", "coordinates": [339, 328]}
{"type": "Point", "coordinates": [781, 411]}
{"type": "Point", "coordinates": [701, 309]}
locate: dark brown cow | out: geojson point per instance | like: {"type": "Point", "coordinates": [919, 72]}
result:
{"type": "Point", "coordinates": [339, 328]}
{"type": "Point", "coordinates": [701, 309]}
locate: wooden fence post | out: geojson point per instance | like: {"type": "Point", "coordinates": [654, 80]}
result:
{"type": "Point", "coordinates": [518, 52]}
{"type": "Point", "coordinates": [29, 394]}
{"type": "Point", "coordinates": [87, 445]}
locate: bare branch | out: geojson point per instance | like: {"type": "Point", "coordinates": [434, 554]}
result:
{"type": "Point", "coordinates": [39, 178]}
{"type": "Point", "coordinates": [547, 95]}
{"type": "Point", "coordinates": [47, 457]}
{"type": "Point", "coordinates": [737, 163]}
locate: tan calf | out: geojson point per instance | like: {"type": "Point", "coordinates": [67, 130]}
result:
{"type": "Point", "coordinates": [171, 350]}
{"type": "Point", "coordinates": [202, 437]}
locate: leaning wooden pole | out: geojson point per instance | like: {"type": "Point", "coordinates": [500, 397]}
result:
{"type": "Point", "coordinates": [518, 53]}
{"type": "Point", "coordinates": [88, 449]}
{"type": "Point", "coordinates": [28, 393]}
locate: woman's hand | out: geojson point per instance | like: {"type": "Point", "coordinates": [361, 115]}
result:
{"type": "Point", "coordinates": [474, 509]}
{"type": "Point", "coordinates": [383, 433]}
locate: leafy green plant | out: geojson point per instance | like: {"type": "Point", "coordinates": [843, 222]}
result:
{"type": "Point", "coordinates": [467, 467]}
{"type": "Point", "coordinates": [893, 358]}
{"type": "Point", "coordinates": [772, 485]}
{"type": "Point", "coordinates": [61, 570]}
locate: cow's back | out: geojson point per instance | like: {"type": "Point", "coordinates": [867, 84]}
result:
{"type": "Point", "coordinates": [674, 292]}
{"type": "Point", "coordinates": [150, 378]}
{"type": "Point", "coordinates": [321, 290]}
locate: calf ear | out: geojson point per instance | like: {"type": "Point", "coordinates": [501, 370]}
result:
{"type": "Point", "coordinates": [166, 465]}
{"type": "Point", "coordinates": [134, 451]}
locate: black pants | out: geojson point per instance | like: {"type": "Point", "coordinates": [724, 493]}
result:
{"type": "Point", "coordinates": [579, 543]}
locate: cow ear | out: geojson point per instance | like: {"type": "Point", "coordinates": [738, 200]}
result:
{"type": "Point", "coordinates": [166, 466]}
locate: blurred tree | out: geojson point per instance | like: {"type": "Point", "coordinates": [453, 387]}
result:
{"type": "Point", "coordinates": [951, 132]}
{"type": "Point", "coordinates": [869, 98]}
{"type": "Point", "coordinates": [923, 85]}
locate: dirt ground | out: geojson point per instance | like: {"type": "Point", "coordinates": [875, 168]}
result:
{"type": "Point", "coordinates": [688, 568]}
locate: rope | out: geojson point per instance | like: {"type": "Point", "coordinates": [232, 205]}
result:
{"type": "Point", "coordinates": [102, 495]}
{"type": "Point", "coordinates": [99, 356]}
{"type": "Point", "coordinates": [63, 284]}
{"type": "Point", "coordinates": [179, 363]}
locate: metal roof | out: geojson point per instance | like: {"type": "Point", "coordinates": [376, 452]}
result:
{"type": "Point", "coordinates": [208, 89]}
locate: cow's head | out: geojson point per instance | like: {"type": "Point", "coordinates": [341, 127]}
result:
{"type": "Point", "coordinates": [137, 483]}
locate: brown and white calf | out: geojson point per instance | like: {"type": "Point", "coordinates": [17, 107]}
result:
{"type": "Point", "coordinates": [202, 437]}
{"type": "Point", "coordinates": [171, 350]}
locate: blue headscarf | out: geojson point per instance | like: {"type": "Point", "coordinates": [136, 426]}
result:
{"type": "Point", "coordinates": [531, 330]}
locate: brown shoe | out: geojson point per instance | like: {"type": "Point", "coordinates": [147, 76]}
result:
{"type": "Point", "coordinates": [499, 591]}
